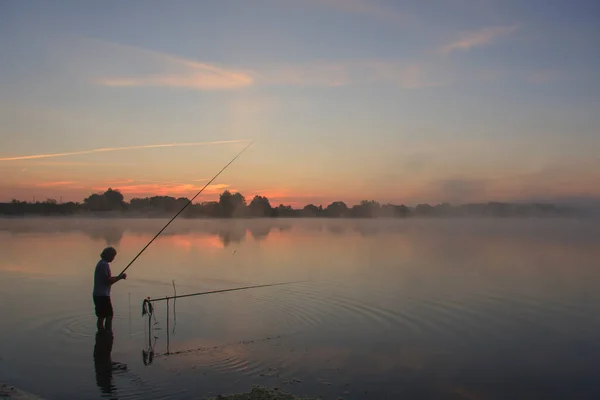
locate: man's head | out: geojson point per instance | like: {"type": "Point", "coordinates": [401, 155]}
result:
{"type": "Point", "coordinates": [108, 254]}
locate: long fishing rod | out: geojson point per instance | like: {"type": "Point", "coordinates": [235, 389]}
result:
{"type": "Point", "coordinates": [149, 300]}
{"type": "Point", "coordinates": [184, 207]}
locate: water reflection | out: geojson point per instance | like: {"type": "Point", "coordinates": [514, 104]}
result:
{"type": "Point", "coordinates": [468, 308]}
{"type": "Point", "coordinates": [104, 365]}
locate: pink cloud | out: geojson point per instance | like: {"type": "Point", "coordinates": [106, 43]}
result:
{"type": "Point", "coordinates": [481, 37]}
{"type": "Point", "coordinates": [176, 72]}
{"type": "Point", "coordinates": [199, 78]}
{"type": "Point", "coordinates": [51, 184]}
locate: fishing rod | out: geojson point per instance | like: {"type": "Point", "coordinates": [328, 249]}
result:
{"type": "Point", "coordinates": [184, 207]}
{"type": "Point", "coordinates": [166, 298]}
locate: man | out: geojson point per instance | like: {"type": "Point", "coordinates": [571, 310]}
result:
{"type": "Point", "coordinates": [103, 280]}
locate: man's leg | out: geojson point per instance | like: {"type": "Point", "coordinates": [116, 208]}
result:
{"type": "Point", "coordinates": [108, 325]}
{"type": "Point", "coordinates": [109, 315]}
{"type": "Point", "coordinates": [99, 310]}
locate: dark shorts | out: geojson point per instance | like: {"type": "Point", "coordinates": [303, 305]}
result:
{"type": "Point", "coordinates": [103, 306]}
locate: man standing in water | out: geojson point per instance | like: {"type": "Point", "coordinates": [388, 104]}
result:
{"type": "Point", "coordinates": [103, 280]}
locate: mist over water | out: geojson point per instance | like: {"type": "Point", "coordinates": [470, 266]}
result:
{"type": "Point", "coordinates": [420, 308]}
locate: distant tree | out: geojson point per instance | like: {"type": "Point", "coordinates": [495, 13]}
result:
{"type": "Point", "coordinates": [402, 211]}
{"type": "Point", "coordinates": [336, 209]}
{"type": "Point", "coordinates": [96, 202]}
{"type": "Point", "coordinates": [284, 211]}
{"type": "Point", "coordinates": [260, 207]}
{"type": "Point", "coordinates": [225, 204]}
{"type": "Point", "coordinates": [210, 209]}
{"type": "Point", "coordinates": [231, 204]}
{"type": "Point", "coordinates": [366, 209]}
{"type": "Point", "coordinates": [114, 199]}
{"type": "Point", "coordinates": [310, 210]}
{"type": "Point", "coordinates": [239, 205]}
{"type": "Point", "coordinates": [424, 210]}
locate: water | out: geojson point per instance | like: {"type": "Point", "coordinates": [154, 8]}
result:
{"type": "Point", "coordinates": [416, 309]}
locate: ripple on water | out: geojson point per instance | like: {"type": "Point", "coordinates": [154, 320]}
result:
{"type": "Point", "coordinates": [463, 316]}
{"type": "Point", "coordinates": [454, 316]}
{"type": "Point", "coordinates": [68, 326]}
{"type": "Point", "coordinates": [314, 306]}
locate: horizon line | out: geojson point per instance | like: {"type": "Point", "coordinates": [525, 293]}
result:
{"type": "Point", "coordinates": [358, 202]}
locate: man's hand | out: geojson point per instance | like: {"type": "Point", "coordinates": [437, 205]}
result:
{"type": "Point", "coordinates": [115, 279]}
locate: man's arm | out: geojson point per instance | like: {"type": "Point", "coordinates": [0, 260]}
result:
{"type": "Point", "coordinates": [114, 279]}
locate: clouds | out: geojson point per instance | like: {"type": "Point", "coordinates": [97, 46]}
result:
{"type": "Point", "coordinates": [468, 40]}
{"type": "Point", "coordinates": [405, 75]}
{"type": "Point", "coordinates": [198, 76]}
{"type": "Point", "coordinates": [170, 71]}
{"type": "Point", "coordinates": [111, 149]}
{"type": "Point", "coordinates": [136, 67]}
{"type": "Point", "coordinates": [54, 184]}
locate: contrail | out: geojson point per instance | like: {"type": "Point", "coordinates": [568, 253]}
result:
{"type": "Point", "coordinates": [148, 146]}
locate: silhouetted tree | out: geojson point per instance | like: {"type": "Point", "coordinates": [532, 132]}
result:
{"type": "Point", "coordinates": [284, 211]}
{"type": "Point", "coordinates": [226, 204]}
{"type": "Point", "coordinates": [96, 202]}
{"type": "Point", "coordinates": [310, 210]}
{"type": "Point", "coordinates": [231, 205]}
{"type": "Point", "coordinates": [424, 210]}
{"type": "Point", "coordinates": [366, 209]}
{"type": "Point", "coordinates": [336, 209]}
{"type": "Point", "coordinates": [260, 207]}
{"type": "Point", "coordinates": [234, 205]}
{"type": "Point", "coordinates": [114, 199]}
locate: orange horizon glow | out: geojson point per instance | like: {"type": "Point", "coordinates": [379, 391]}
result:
{"type": "Point", "coordinates": [413, 191]}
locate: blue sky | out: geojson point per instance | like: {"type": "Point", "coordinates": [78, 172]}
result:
{"type": "Point", "coordinates": [401, 101]}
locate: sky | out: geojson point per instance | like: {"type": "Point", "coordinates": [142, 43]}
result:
{"type": "Point", "coordinates": [405, 102]}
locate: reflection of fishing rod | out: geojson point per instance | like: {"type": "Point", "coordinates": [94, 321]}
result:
{"type": "Point", "coordinates": [184, 207]}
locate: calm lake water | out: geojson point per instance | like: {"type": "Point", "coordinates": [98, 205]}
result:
{"type": "Point", "coordinates": [388, 309]}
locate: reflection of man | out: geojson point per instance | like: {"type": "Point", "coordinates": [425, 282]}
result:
{"type": "Point", "coordinates": [103, 363]}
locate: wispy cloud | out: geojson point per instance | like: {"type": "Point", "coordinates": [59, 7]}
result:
{"type": "Point", "coordinates": [480, 37]}
{"type": "Point", "coordinates": [69, 163]}
{"type": "Point", "coordinates": [108, 149]}
{"type": "Point", "coordinates": [166, 70]}
{"type": "Point", "coordinates": [160, 69]}
{"type": "Point", "coordinates": [332, 74]}
{"type": "Point", "coordinates": [199, 76]}
{"type": "Point", "coordinates": [52, 184]}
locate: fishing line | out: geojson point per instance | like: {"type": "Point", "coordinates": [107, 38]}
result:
{"type": "Point", "coordinates": [174, 312]}
{"type": "Point", "coordinates": [184, 207]}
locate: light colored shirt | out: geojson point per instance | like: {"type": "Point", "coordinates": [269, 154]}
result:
{"type": "Point", "coordinates": [101, 279]}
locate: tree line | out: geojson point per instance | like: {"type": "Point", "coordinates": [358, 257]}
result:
{"type": "Point", "coordinates": [235, 205]}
